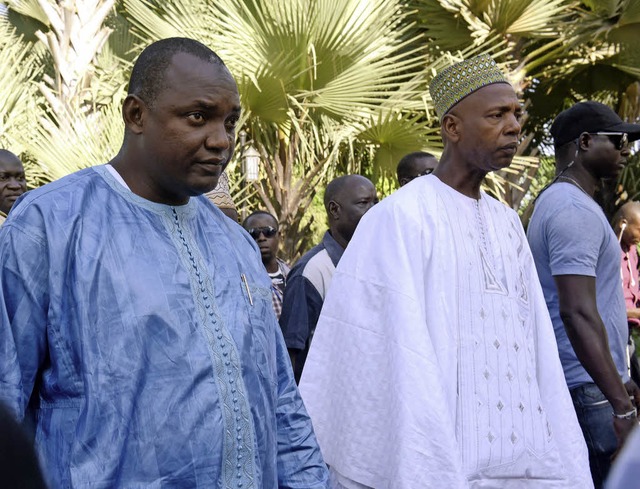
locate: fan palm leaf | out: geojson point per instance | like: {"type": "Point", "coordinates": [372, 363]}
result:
{"type": "Point", "coordinates": [87, 139]}
{"type": "Point", "coordinates": [18, 92]}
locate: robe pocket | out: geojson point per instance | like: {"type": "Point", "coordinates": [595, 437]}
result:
{"type": "Point", "coordinates": [262, 321]}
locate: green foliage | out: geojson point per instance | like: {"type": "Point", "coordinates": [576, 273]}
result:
{"type": "Point", "coordinates": [327, 86]}
{"type": "Point", "coordinates": [18, 91]}
{"type": "Point", "coordinates": [322, 83]}
{"type": "Point", "coordinates": [559, 51]}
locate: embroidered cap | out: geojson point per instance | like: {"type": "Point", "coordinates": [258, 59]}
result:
{"type": "Point", "coordinates": [458, 81]}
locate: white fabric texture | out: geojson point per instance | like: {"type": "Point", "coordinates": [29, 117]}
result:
{"type": "Point", "coordinates": [434, 362]}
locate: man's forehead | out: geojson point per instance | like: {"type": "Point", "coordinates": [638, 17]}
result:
{"type": "Point", "coordinates": [261, 220]}
{"type": "Point", "coordinates": [497, 94]}
{"type": "Point", "coordinates": [632, 213]}
{"type": "Point", "coordinates": [10, 163]}
{"type": "Point", "coordinates": [359, 187]}
{"type": "Point", "coordinates": [191, 66]}
{"type": "Point", "coordinates": [186, 72]}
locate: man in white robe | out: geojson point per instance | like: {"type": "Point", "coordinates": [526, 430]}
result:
{"type": "Point", "coordinates": [434, 362]}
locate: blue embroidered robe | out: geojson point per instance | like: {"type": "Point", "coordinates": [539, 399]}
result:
{"type": "Point", "coordinates": [144, 336]}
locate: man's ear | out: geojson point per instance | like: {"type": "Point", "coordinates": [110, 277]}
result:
{"type": "Point", "coordinates": [334, 210]}
{"type": "Point", "coordinates": [584, 141]}
{"type": "Point", "coordinates": [133, 113]}
{"type": "Point", "coordinates": [451, 127]}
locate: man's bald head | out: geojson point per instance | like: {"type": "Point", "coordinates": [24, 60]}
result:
{"type": "Point", "coordinates": [346, 200]}
{"type": "Point", "coordinates": [8, 158]}
{"type": "Point", "coordinates": [337, 187]}
{"type": "Point", "coordinates": [630, 210]}
{"type": "Point", "coordinates": [12, 180]}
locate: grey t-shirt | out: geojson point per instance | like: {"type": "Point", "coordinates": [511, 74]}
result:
{"type": "Point", "coordinates": [569, 235]}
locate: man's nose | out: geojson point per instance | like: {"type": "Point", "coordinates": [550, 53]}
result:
{"type": "Point", "coordinates": [513, 124]}
{"type": "Point", "coordinates": [14, 183]}
{"type": "Point", "coordinates": [218, 137]}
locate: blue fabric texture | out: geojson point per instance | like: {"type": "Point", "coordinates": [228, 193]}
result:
{"type": "Point", "coordinates": [594, 415]}
{"type": "Point", "coordinates": [146, 337]}
{"type": "Point", "coordinates": [569, 235]}
{"type": "Point", "coordinates": [303, 296]}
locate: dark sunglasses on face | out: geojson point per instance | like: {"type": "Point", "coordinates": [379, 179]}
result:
{"type": "Point", "coordinates": [268, 231]}
{"type": "Point", "coordinates": [619, 139]}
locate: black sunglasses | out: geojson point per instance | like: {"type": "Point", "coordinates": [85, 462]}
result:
{"type": "Point", "coordinates": [267, 231]}
{"type": "Point", "coordinates": [619, 139]}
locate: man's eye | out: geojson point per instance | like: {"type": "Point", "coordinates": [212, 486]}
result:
{"type": "Point", "coordinates": [232, 122]}
{"type": "Point", "coordinates": [196, 117]}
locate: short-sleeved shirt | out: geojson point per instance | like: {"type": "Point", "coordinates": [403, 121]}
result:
{"type": "Point", "coordinates": [570, 235]}
{"type": "Point", "coordinates": [304, 294]}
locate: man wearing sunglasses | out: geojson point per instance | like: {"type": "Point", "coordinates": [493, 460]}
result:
{"type": "Point", "coordinates": [263, 228]}
{"type": "Point", "coordinates": [577, 256]}
{"type": "Point", "coordinates": [414, 165]}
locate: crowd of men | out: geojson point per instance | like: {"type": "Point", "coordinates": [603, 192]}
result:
{"type": "Point", "coordinates": [152, 341]}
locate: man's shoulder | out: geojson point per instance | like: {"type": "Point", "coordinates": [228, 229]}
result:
{"type": "Point", "coordinates": [65, 193]}
{"type": "Point", "coordinates": [68, 187]}
{"type": "Point", "coordinates": [562, 204]}
{"type": "Point", "coordinates": [563, 194]}
{"type": "Point", "coordinates": [209, 213]}
{"type": "Point", "coordinates": [409, 206]}
{"type": "Point", "coordinates": [307, 260]}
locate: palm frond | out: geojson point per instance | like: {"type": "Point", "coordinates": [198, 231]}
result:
{"type": "Point", "coordinates": [60, 147]}
{"type": "Point", "coordinates": [18, 92]}
{"type": "Point", "coordinates": [29, 8]}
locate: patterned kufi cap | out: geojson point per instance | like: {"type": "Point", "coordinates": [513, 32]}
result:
{"type": "Point", "coordinates": [455, 82]}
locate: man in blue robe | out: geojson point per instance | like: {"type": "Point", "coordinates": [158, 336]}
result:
{"type": "Point", "coordinates": [136, 319]}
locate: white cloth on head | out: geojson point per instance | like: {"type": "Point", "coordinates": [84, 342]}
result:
{"type": "Point", "coordinates": [434, 362]}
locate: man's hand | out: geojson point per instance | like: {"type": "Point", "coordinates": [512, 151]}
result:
{"type": "Point", "coordinates": [622, 428]}
{"type": "Point", "coordinates": [634, 392]}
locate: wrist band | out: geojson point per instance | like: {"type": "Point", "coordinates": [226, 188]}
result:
{"type": "Point", "coordinates": [628, 415]}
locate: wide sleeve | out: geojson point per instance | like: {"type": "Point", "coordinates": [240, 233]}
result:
{"type": "Point", "coordinates": [375, 385]}
{"type": "Point", "coordinates": [23, 314]}
{"type": "Point", "coordinates": [300, 463]}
